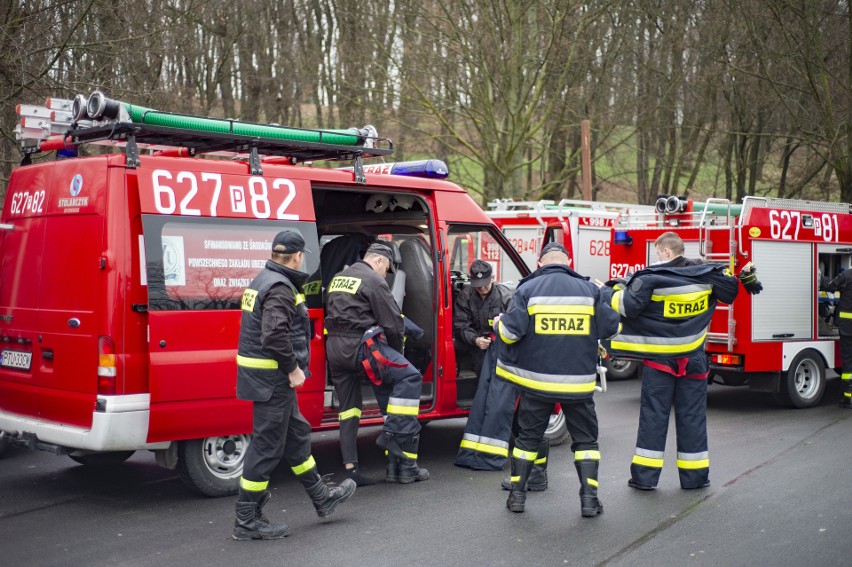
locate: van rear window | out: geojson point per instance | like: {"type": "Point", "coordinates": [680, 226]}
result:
{"type": "Point", "coordinates": [204, 263]}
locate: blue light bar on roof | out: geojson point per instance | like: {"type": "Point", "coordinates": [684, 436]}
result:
{"type": "Point", "coordinates": [428, 168]}
{"type": "Point", "coordinates": [622, 237]}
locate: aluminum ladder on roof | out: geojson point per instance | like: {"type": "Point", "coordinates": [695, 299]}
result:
{"type": "Point", "coordinates": [706, 225]}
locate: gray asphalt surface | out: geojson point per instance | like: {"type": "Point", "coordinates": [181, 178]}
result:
{"type": "Point", "coordinates": [779, 496]}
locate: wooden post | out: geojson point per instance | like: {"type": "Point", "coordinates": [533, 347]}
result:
{"type": "Point", "coordinates": [586, 154]}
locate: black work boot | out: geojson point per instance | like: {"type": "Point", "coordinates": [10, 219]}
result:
{"type": "Point", "coordinates": [521, 469]}
{"type": "Point", "coordinates": [538, 476]}
{"type": "Point", "coordinates": [358, 478]}
{"type": "Point", "coordinates": [846, 401]}
{"type": "Point", "coordinates": [407, 466]}
{"type": "Point", "coordinates": [392, 467]}
{"type": "Point", "coordinates": [587, 470]}
{"type": "Point", "coordinates": [251, 523]}
{"type": "Point", "coordinates": [324, 497]}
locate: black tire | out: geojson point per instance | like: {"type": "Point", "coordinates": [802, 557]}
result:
{"type": "Point", "coordinates": [621, 369]}
{"type": "Point", "coordinates": [109, 459]}
{"type": "Point", "coordinates": [803, 385]}
{"type": "Point", "coordinates": [213, 466]}
{"type": "Point", "coordinates": [557, 429]}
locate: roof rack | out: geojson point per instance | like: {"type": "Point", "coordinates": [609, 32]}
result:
{"type": "Point", "coordinates": [99, 120]}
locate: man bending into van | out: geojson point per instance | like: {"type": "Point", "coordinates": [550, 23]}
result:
{"type": "Point", "coordinates": [365, 333]}
{"type": "Point", "coordinates": [272, 361]}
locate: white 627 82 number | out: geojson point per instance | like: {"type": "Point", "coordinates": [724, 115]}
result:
{"type": "Point", "coordinates": [208, 194]}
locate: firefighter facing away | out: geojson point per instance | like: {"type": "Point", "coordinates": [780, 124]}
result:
{"type": "Point", "coordinates": [665, 311]}
{"type": "Point", "coordinates": [550, 350]}
{"type": "Point", "coordinates": [843, 284]}
{"type": "Point", "coordinates": [272, 361]}
{"type": "Point", "coordinates": [365, 336]}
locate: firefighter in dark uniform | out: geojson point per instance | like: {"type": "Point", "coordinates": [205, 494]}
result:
{"type": "Point", "coordinates": [475, 309]}
{"type": "Point", "coordinates": [843, 284]}
{"type": "Point", "coordinates": [365, 336]}
{"type": "Point", "coordinates": [550, 350]}
{"type": "Point", "coordinates": [272, 361]}
{"type": "Point", "coordinates": [485, 443]}
{"type": "Point", "coordinates": [665, 311]}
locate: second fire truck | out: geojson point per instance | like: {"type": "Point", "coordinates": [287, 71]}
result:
{"type": "Point", "coordinates": [783, 340]}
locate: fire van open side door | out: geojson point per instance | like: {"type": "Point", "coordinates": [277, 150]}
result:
{"type": "Point", "coordinates": [197, 268]}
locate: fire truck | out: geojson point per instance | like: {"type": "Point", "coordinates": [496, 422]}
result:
{"type": "Point", "coordinates": [782, 340]}
{"type": "Point", "coordinates": [122, 274]}
{"type": "Point", "coordinates": [583, 227]}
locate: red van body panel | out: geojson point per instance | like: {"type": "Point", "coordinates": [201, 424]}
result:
{"type": "Point", "coordinates": [86, 263]}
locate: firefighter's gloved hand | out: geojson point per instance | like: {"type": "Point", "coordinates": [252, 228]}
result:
{"type": "Point", "coordinates": [748, 277]}
{"type": "Point", "coordinates": [602, 353]}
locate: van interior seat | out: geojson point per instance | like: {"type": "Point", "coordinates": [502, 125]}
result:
{"type": "Point", "coordinates": [417, 304]}
{"type": "Point", "coordinates": [397, 279]}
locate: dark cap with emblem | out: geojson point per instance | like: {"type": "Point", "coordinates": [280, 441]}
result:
{"type": "Point", "coordinates": [382, 250]}
{"type": "Point", "coordinates": [288, 242]}
{"type": "Point", "coordinates": [480, 273]}
{"type": "Point", "coordinates": [552, 247]}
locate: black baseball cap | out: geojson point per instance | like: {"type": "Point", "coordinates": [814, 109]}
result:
{"type": "Point", "coordinates": [552, 247]}
{"type": "Point", "coordinates": [480, 273]}
{"type": "Point", "coordinates": [291, 241]}
{"type": "Point", "coordinates": [382, 250]}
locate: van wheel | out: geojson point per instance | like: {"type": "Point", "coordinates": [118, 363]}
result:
{"type": "Point", "coordinates": [620, 369]}
{"type": "Point", "coordinates": [804, 383]}
{"type": "Point", "coordinates": [557, 429]}
{"type": "Point", "coordinates": [213, 466]}
{"type": "Point", "coordinates": [109, 459]}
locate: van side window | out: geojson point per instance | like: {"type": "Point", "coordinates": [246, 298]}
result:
{"type": "Point", "coordinates": [205, 263]}
{"type": "Point", "coordinates": [468, 243]}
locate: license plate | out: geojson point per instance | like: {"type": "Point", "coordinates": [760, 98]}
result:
{"type": "Point", "coordinates": [17, 359]}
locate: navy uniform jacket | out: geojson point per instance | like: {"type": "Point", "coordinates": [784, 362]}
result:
{"type": "Point", "coordinates": [275, 332]}
{"type": "Point", "coordinates": [666, 309]}
{"type": "Point", "coordinates": [359, 298]}
{"type": "Point", "coordinates": [474, 316]}
{"type": "Point", "coordinates": [551, 334]}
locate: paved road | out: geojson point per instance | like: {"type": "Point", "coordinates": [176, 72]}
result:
{"type": "Point", "coordinates": [780, 496]}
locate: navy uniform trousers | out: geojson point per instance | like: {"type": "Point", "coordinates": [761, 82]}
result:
{"type": "Point", "coordinates": [681, 383]}
{"type": "Point", "coordinates": [279, 430]}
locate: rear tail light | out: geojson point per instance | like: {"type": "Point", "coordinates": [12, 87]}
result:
{"type": "Point", "coordinates": [106, 366]}
{"type": "Point", "coordinates": [728, 359]}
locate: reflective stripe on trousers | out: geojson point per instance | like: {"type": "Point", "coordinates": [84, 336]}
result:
{"type": "Point", "coordinates": [661, 390]}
